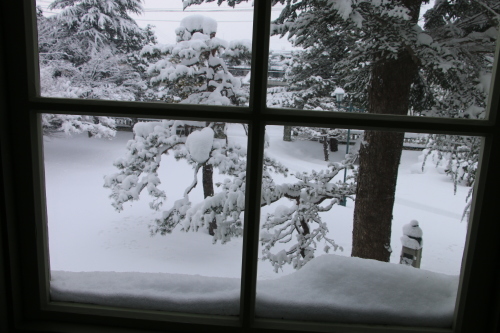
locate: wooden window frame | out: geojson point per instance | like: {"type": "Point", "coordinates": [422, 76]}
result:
{"type": "Point", "coordinates": [24, 277]}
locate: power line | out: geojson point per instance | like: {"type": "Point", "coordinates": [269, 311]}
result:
{"type": "Point", "coordinates": [159, 10]}
{"type": "Point", "coordinates": [178, 21]}
{"type": "Point", "coordinates": [176, 10]}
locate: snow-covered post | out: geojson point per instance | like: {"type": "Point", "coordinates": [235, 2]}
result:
{"type": "Point", "coordinates": [411, 254]}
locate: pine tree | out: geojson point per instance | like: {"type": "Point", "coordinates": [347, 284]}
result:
{"type": "Point", "coordinates": [102, 23]}
{"type": "Point", "coordinates": [193, 70]}
{"type": "Point", "coordinates": [138, 172]}
{"type": "Point", "coordinates": [301, 221]}
{"type": "Point", "coordinates": [445, 66]}
{"type": "Point", "coordinates": [469, 29]}
{"type": "Point", "coordinates": [85, 52]}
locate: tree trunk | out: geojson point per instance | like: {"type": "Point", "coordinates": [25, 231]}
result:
{"type": "Point", "coordinates": [326, 147]}
{"type": "Point", "coordinates": [287, 133]}
{"type": "Point", "coordinates": [208, 191]}
{"type": "Point", "coordinates": [388, 93]}
{"type": "Point", "coordinates": [305, 231]}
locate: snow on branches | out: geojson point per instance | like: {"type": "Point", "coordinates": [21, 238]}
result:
{"type": "Point", "coordinates": [139, 173]}
{"type": "Point", "coordinates": [97, 127]}
{"type": "Point", "coordinates": [454, 53]}
{"type": "Point", "coordinates": [457, 156]}
{"type": "Point", "coordinates": [193, 69]}
{"type": "Point", "coordinates": [102, 22]}
{"type": "Point", "coordinates": [311, 194]}
{"type": "Point", "coordinates": [302, 221]}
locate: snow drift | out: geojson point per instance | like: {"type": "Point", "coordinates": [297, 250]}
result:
{"type": "Point", "coordinates": [333, 289]}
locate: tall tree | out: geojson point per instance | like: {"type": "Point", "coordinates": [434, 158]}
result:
{"type": "Point", "coordinates": [84, 53]}
{"type": "Point", "coordinates": [102, 23]}
{"type": "Point", "coordinates": [380, 156]}
{"type": "Point", "coordinates": [394, 67]}
{"type": "Point", "coordinates": [193, 71]}
{"type": "Point", "coordinates": [388, 42]}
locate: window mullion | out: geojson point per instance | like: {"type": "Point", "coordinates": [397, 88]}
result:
{"type": "Point", "coordinates": [260, 47]}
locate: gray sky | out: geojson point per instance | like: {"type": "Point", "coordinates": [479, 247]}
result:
{"type": "Point", "coordinates": [233, 23]}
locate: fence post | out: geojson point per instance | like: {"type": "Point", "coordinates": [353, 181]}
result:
{"type": "Point", "coordinates": [411, 253]}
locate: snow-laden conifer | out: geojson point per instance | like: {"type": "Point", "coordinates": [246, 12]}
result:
{"type": "Point", "coordinates": [84, 53]}
{"type": "Point", "coordinates": [102, 23]}
{"type": "Point", "coordinates": [193, 70]}
{"type": "Point", "coordinates": [446, 68]}
{"type": "Point", "coordinates": [300, 224]}
{"type": "Point", "coordinates": [139, 173]}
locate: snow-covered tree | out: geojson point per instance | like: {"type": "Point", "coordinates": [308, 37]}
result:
{"type": "Point", "coordinates": [469, 29]}
{"type": "Point", "coordinates": [459, 155]}
{"type": "Point", "coordinates": [301, 221]}
{"type": "Point", "coordinates": [436, 81]}
{"type": "Point", "coordinates": [312, 74]}
{"type": "Point", "coordinates": [85, 52]}
{"type": "Point", "coordinates": [299, 224]}
{"type": "Point", "coordinates": [139, 172]}
{"type": "Point", "coordinates": [446, 69]}
{"type": "Point", "coordinates": [101, 23]}
{"type": "Point", "coordinates": [97, 127]}
{"type": "Point", "coordinates": [193, 70]}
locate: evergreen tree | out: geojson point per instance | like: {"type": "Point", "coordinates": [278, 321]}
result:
{"type": "Point", "coordinates": [138, 172]}
{"type": "Point", "coordinates": [193, 70]}
{"type": "Point", "coordinates": [300, 223]}
{"type": "Point", "coordinates": [85, 52]}
{"type": "Point", "coordinates": [102, 23]}
{"type": "Point", "coordinates": [444, 66]}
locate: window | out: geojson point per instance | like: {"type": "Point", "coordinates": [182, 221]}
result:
{"type": "Point", "coordinates": [25, 249]}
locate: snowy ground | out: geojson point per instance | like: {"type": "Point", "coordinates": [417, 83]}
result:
{"type": "Point", "coordinates": [87, 235]}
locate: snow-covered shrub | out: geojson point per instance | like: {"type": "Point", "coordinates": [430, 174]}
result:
{"type": "Point", "coordinates": [97, 127]}
{"type": "Point", "coordinates": [457, 156]}
{"type": "Point", "coordinates": [139, 172]}
{"type": "Point", "coordinates": [301, 223]}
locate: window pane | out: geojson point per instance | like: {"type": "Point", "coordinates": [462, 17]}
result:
{"type": "Point", "coordinates": [339, 237]}
{"type": "Point", "coordinates": [149, 218]}
{"type": "Point", "coordinates": [156, 52]}
{"type": "Point", "coordinates": [431, 60]}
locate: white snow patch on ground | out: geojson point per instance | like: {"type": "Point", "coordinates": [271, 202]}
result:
{"type": "Point", "coordinates": [354, 290]}
{"type": "Point", "coordinates": [332, 288]}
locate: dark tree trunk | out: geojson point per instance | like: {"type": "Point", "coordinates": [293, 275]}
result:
{"type": "Point", "coordinates": [287, 133]}
{"type": "Point", "coordinates": [389, 93]}
{"type": "Point", "coordinates": [208, 191]}
{"type": "Point", "coordinates": [377, 177]}
{"type": "Point", "coordinates": [305, 231]}
{"type": "Point", "coordinates": [326, 148]}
